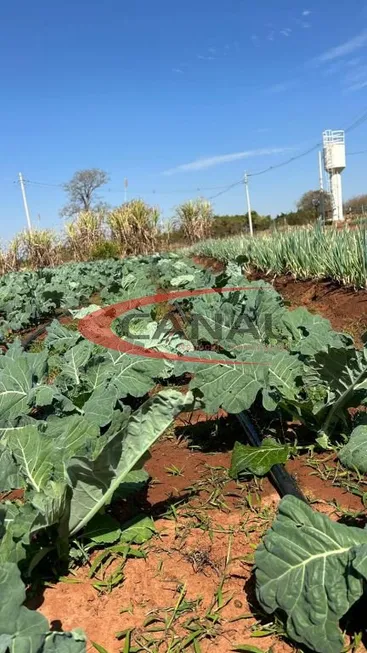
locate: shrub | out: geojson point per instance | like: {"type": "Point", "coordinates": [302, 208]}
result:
{"type": "Point", "coordinates": [105, 249]}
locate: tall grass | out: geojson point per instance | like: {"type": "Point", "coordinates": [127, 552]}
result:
{"type": "Point", "coordinates": [85, 233]}
{"type": "Point", "coordinates": [305, 253]}
{"type": "Point", "coordinates": [10, 256]}
{"type": "Point", "coordinates": [195, 218]}
{"type": "Point", "coordinates": [134, 226]}
{"type": "Point", "coordinates": [38, 249]}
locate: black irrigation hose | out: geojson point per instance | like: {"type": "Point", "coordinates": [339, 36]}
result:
{"type": "Point", "coordinates": [31, 337]}
{"type": "Point", "coordinates": [25, 342]}
{"type": "Point", "coordinates": [281, 479]}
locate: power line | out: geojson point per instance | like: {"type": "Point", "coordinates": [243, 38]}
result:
{"type": "Point", "coordinates": [119, 190]}
{"type": "Point", "coordinates": [228, 188]}
{"type": "Point", "coordinates": [171, 192]}
{"type": "Point", "coordinates": [222, 189]}
{"type": "Point", "coordinates": [42, 183]}
{"type": "Point", "coordinates": [285, 163]}
{"type": "Point", "coordinates": [225, 189]}
{"type": "Point", "coordinates": [356, 123]}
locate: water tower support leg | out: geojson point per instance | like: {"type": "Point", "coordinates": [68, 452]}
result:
{"type": "Point", "coordinates": [337, 197]}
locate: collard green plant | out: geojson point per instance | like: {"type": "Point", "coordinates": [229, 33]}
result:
{"type": "Point", "coordinates": [26, 631]}
{"type": "Point", "coordinates": [257, 460]}
{"type": "Point", "coordinates": [71, 472]}
{"type": "Point", "coordinates": [354, 454]}
{"type": "Point", "coordinates": [312, 569]}
{"type": "Point", "coordinates": [72, 441]}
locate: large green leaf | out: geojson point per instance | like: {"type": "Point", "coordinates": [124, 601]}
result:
{"type": "Point", "coordinates": [16, 526]}
{"type": "Point", "coordinates": [257, 460]}
{"type": "Point", "coordinates": [235, 387]}
{"type": "Point", "coordinates": [10, 476]}
{"type": "Point", "coordinates": [15, 386]}
{"type": "Point", "coordinates": [21, 376]}
{"type": "Point", "coordinates": [343, 372]}
{"type": "Point", "coordinates": [138, 530]}
{"type": "Point", "coordinates": [99, 407]}
{"type": "Point", "coordinates": [312, 333]}
{"type": "Point", "coordinates": [95, 481]}
{"type": "Point", "coordinates": [103, 529]}
{"type": "Point", "coordinates": [41, 456]}
{"type": "Point", "coordinates": [75, 359]}
{"type": "Point", "coordinates": [27, 631]}
{"type": "Point", "coordinates": [132, 375]}
{"type": "Point", "coordinates": [60, 338]}
{"type": "Point", "coordinates": [229, 386]}
{"type": "Point", "coordinates": [33, 453]}
{"type": "Point", "coordinates": [312, 569]}
{"type": "Point", "coordinates": [122, 373]}
{"type": "Point", "coordinates": [354, 454]}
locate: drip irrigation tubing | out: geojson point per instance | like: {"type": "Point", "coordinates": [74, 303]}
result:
{"type": "Point", "coordinates": [38, 331]}
{"type": "Point", "coordinates": [281, 479]}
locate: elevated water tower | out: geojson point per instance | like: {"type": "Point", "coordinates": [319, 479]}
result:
{"type": "Point", "coordinates": [335, 162]}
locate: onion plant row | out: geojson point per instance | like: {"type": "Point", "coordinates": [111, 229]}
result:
{"type": "Point", "coordinates": [320, 253]}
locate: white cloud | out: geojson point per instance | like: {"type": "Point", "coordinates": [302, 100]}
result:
{"type": "Point", "coordinates": [358, 86]}
{"type": "Point", "coordinates": [285, 31]}
{"type": "Point", "coordinates": [356, 79]}
{"type": "Point", "coordinates": [353, 44]}
{"type": "Point", "coordinates": [210, 162]}
{"type": "Point", "coordinates": [306, 12]}
{"type": "Point", "coordinates": [178, 71]}
{"type": "Point", "coordinates": [342, 65]}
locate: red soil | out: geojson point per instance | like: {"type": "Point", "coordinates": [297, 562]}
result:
{"type": "Point", "coordinates": [200, 527]}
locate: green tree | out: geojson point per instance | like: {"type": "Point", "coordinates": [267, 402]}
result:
{"type": "Point", "coordinates": [226, 225]}
{"type": "Point", "coordinates": [310, 202]}
{"type": "Point", "coordinates": [356, 205]}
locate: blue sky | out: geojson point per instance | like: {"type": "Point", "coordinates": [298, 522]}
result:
{"type": "Point", "coordinates": [177, 96]}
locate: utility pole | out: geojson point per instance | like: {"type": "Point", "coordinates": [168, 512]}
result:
{"type": "Point", "coordinates": [322, 196]}
{"type": "Point", "coordinates": [126, 183]}
{"type": "Point", "coordinates": [248, 205]}
{"type": "Point", "coordinates": [26, 209]}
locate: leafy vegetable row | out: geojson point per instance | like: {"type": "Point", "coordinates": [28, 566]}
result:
{"type": "Point", "coordinates": [73, 439]}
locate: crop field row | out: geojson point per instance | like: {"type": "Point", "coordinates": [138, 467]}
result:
{"type": "Point", "coordinates": [77, 423]}
{"type": "Point", "coordinates": [339, 255]}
